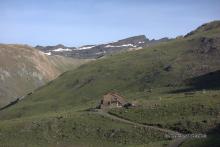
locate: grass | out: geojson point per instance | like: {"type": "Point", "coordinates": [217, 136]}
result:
{"type": "Point", "coordinates": [196, 113]}
{"type": "Point", "coordinates": [53, 114]}
{"type": "Point", "coordinates": [75, 128]}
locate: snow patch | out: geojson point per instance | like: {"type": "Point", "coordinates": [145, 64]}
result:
{"type": "Point", "coordinates": [141, 42]}
{"type": "Point", "coordinates": [124, 45]}
{"type": "Point", "coordinates": [62, 50]}
{"type": "Point", "coordinates": [85, 47]}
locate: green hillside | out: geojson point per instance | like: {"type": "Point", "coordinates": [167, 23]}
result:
{"type": "Point", "coordinates": [175, 85]}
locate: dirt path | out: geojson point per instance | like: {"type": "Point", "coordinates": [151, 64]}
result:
{"type": "Point", "coordinates": [175, 143]}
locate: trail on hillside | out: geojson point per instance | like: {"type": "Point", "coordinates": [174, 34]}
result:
{"type": "Point", "coordinates": [175, 143]}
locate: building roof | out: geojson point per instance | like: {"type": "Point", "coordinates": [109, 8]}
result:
{"type": "Point", "coordinates": [112, 96]}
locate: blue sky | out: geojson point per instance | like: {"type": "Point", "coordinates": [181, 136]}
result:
{"type": "Point", "coordinates": [80, 22]}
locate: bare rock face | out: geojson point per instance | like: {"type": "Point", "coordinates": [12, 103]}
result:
{"type": "Point", "coordinates": [24, 68]}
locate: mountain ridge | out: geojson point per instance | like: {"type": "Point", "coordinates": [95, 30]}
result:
{"type": "Point", "coordinates": [99, 50]}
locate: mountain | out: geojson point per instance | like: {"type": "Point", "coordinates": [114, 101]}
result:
{"type": "Point", "coordinates": [23, 69]}
{"type": "Point", "coordinates": [97, 51]}
{"type": "Point", "coordinates": [173, 85]}
{"type": "Point", "coordinates": [48, 48]}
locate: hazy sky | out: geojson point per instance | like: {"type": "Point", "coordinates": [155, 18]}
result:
{"type": "Point", "coordinates": [79, 22]}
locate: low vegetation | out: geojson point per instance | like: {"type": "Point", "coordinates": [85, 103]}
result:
{"type": "Point", "coordinates": [161, 80]}
{"type": "Point", "coordinates": [75, 128]}
{"type": "Point", "coordinates": [197, 113]}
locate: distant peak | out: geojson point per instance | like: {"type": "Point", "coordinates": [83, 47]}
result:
{"type": "Point", "coordinates": [138, 37]}
{"type": "Point", "coordinates": [60, 46]}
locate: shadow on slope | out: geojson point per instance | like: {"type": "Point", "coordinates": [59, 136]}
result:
{"type": "Point", "coordinates": [215, 130]}
{"type": "Point", "coordinates": [10, 104]}
{"type": "Point", "coordinates": [209, 81]}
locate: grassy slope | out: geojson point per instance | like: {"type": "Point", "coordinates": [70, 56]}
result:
{"type": "Point", "coordinates": [140, 76]}
{"type": "Point", "coordinates": [74, 128]}
{"type": "Point", "coordinates": [192, 114]}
